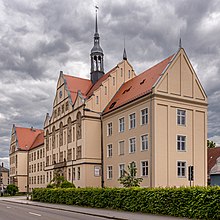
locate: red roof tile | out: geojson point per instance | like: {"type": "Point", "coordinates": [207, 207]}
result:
{"type": "Point", "coordinates": [213, 154]}
{"type": "Point", "coordinates": [138, 86]}
{"type": "Point", "coordinates": [74, 84]}
{"type": "Point", "coordinates": [38, 141]}
{"type": "Point", "coordinates": [26, 137]}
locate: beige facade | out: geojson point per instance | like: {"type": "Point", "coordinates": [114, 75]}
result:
{"type": "Point", "coordinates": [174, 132]}
{"type": "Point", "coordinates": [36, 167]}
{"type": "Point", "coordinates": [73, 136]}
{"type": "Point", "coordinates": [156, 121]}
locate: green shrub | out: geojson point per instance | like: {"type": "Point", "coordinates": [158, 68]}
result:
{"type": "Point", "coordinates": [195, 202]}
{"type": "Point", "coordinates": [12, 189]}
{"type": "Point", "coordinates": [67, 184]}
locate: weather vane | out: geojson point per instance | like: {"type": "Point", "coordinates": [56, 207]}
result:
{"type": "Point", "coordinates": [97, 7]}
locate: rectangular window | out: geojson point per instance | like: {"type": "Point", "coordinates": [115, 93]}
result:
{"type": "Point", "coordinates": [132, 145]}
{"type": "Point", "coordinates": [113, 81]}
{"type": "Point", "coordinates": [97, 100]}
{"type": "Point", "coordinates": [79, 152]}
{"type": "Point", "coordinates": [133, 165]}
{"type": "Point", "coordinates": [144, 116]}
{"type": "Point", "coordinates": [121, 147]}
{"type": "Point", "coordinates": [129, 74]}
{"type": "Point", "coordinates": [144, 168]}
{"type": "Point", "coordinates": [181, 169]}
{"type": "Point", "coordinates": [69, 174]}
{"type": "Point", "coordinates": [144, 142]}
{"type": "Point", "coordinates": [109, 150]}
{"type": "Point", "coordinates": [181, 143]}
{"type": "Point", "coordinates": [132, 120]}
{"type": "Point", "coordinates": [78, 173]}
{"type": "Point", "coordinates": [181, 117]}
{"type": "Point", "coordinates": [69, 154]}
{"type": "Point", "coordinates": [122, 124]}
{"type": "Point", "coordinates": [121, 170]}
{"type": "Point", "coordinates": [109, 172]}
{"type": "Point", "coordinates": [109, 129]}
{"type": "Point", "coordinates": [74, 173]}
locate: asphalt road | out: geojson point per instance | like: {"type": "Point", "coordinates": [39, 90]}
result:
{"type": "Point", "coordinates": [13, 211]}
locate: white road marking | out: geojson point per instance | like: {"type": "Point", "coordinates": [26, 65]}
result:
{"type": "Point", "coordinates": [8, 207]}
{"type": "Point", "coordinates": [32, 213]}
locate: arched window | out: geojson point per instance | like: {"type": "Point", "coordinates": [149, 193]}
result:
{"type": "Point", "coordinates": [47, 140]}
{"type": "Point", "coordinates": [78, 126]}
{"type": "Point", "coordinates": [61, 134]}
{"type": "Point", "coordinates": [53, 137]}
{"type": "Point", "coordinates": [69, 130]}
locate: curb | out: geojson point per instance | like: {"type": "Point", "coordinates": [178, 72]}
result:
{"type": "Point", "coordinates": [63, 209]}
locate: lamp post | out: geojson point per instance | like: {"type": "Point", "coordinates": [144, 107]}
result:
{"type": "Point", "coordinates": [102, 157]}
{"type": "Point", "coordinates": [27, 172]}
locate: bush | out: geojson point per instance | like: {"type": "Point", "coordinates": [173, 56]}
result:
{"type": "Point", "coordinates": [195, 202]}
{"type": "Point", "coordinates": [12, 189]}
{"type": "Point", "coordinates": [67, 184]}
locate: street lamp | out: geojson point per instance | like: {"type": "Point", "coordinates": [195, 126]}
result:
{"type": "Point", "coordinates": [27, 173]}
{"type": "Point", "coordinates": [102, 157]}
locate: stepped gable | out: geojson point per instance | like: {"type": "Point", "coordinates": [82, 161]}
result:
{"type": "Point", "coordinates": [138, 86]}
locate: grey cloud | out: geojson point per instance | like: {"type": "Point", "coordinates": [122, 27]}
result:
{"type": "Point", "coordinates": [40, 38]}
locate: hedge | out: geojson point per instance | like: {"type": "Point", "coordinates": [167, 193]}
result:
{"type": "Point", "coordinates": [194, 202]}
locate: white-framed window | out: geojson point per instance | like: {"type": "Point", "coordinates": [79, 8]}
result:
{"type": "Point", "coordinates": [144, 116]}
{"type": "Point", "coordinates": [132, 120]}
{"type": "Point", "coordinates": [121, 147]}
{"type": "Point", "coordinates": [181, 143]}
{"type": "Point", "coordinates": [109, 129]}
{"type": "Point", "coordinates": [181, 117]}
{"type": "Point", "coordinates": [109, 150]}
{"type": "Point", "coordinates": [121, 170]}
{"type": "Point", "coordinates": [121, 124]}
{"type": "Point", "coordinates": [132, 145]}
{"type": "Point", "coordinates": [109, 172]}
{"type": "Point", "coordinates": [144, 168]}
{"type": "Point", "coordinates": [133, 165]}
{"type": "Point", "coordinates": [144, 142]}
{"type": "Point", "coordinates": [97, 100]}
{"type": "Point", "coordinates": [181, 168]}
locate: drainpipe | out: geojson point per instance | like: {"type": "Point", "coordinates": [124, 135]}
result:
{"type": "Point", "coordinates": [151, 143]}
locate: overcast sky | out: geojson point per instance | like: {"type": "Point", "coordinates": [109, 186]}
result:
{"type": "Point", "coordinates": [41, 37]}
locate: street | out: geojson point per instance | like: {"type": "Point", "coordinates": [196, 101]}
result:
{"type": "Point", "coordinates": [13, 211]}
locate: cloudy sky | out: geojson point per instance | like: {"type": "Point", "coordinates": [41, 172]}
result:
{"type": "Point", "coordinates": [41, 37]}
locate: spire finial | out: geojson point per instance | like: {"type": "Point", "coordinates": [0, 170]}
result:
{"type": "Point", "coordinates": [124, 53]}
{"type": "Point", "coordinates": [96, 19]}
{"type": "Point", "coordinates": [180, 43]}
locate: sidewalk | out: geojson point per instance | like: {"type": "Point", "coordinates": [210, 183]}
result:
{"type": "Point", "coordinates": [106, 213]}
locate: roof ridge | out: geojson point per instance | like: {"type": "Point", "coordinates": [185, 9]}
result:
{"type": "Point", "coordinates": [76, 77]}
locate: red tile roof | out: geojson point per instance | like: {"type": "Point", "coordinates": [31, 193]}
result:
{"type": "Point", "coordinates": [138, 86]}
{"type": "Point", "coordinates": [213, 154]}
{"type": "Point", "coordinates": [38, 141]}
{"type": "Point", "coordinates": [26, 137]}
{"type": "Point", "coordinates": [74, 84]}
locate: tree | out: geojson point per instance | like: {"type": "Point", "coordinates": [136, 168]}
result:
{"type": "Point", "coordinates": [59, 181]}
{"type": "Point", "coordinates": [67, 184]}
{"type": "Point", "coordinates": [129, 178]}
{"type": "Point", "coordinates": [12, 189]}
{"type": "Point", "coordinates": [211, 144]}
